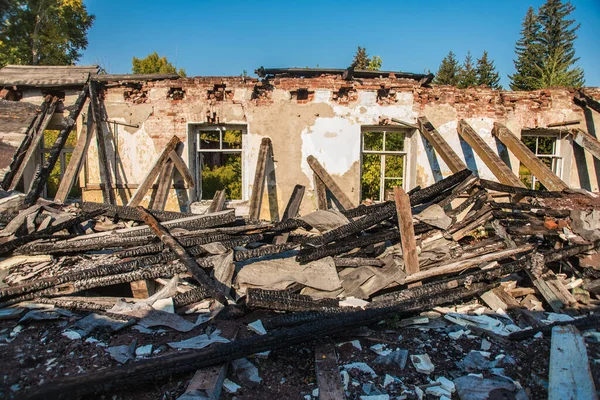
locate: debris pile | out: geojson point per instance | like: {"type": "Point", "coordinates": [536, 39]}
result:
{"type": "Point", "coordinates": [470, 258]}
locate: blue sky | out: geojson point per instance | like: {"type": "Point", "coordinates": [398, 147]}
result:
{"type": "Point", "coordinates": [207, 37]}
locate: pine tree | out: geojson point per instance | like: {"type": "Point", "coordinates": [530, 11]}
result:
{"type": "Point", "coordinates": [449, 71]}
{"type": "Point", "coordinates": [468, 75]}
{"type": "Point", "coordinates": [556, 42]}
{"type": "Point", "coordinates": [528, 54]}
{"type": "Point", "coordinates": [486, 72]}
{"type": "Point", "coordinates": [361, 59]}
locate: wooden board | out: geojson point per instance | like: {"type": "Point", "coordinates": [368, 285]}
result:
{"type": "Point", "coordinates": [293, 205]}
{"type": "Point", "coordinates": [105, 176]}
{"type": "Point", "coordinates": [530, 160]}
{"type": "Point", "coordinates": [587, 141]}
{"type": "Point", "coordinates": [488, 156]}
{"type": "Point", "coordinates": [153, 172]}
{"type": "Point", "coordinates": [329, 379]}
{"type": "Point", "coordinates": [333, 187]}
{"type": "Point", "coordinates": [218, 201]}
{"type": "Point", "coordinates": [161, 195]}
{"type": "Point", "coordinates": [441, 146]}
{"type": "Point", "coordinates": [570, 377]}
{"type": "Point", "coordinates": [259, 180]}
{"type": "Point", "coordinates": [407, 231]}
{"type": "Point", "coordinates": [181, 167]}
{"type": "Point", "coordinates": [320, 192]}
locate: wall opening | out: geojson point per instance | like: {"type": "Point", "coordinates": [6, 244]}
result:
{"type": "Point", "coordinates": [219, 161]}
{"type": "Point", "coordinates": [384, 155]}
{"type": "Point", "coordinates": [547, 146]}
{"type": "Point", "coordinates": [60, 167]}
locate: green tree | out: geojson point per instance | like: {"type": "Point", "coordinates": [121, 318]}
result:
{"type": "Point", "coordinates": [557, 37]}
{"type": "Point", "coordinates": [486, 72]}
{"type": "Point", "coordinates": [43, 32]}
{"type": "Point", "coordinates": [545, 52]}
{"type": "Point", "coordinates": [361, 59]}
{"type": "Point", "coordinates": [528, 53]}
{"type": "Point", "coordinates": [374, 64]}
{"type": "Point", "coordinates": [467, 76]}
{"type": "Point", "coordinates": [154, 64]}
{"type": "Point", "coordinates": [449, 71]}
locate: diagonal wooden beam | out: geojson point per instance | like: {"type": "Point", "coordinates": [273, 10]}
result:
{"type": "Point", "coordinates": [526, 156]}
{"type": "Point", "coordinates": [320, 192]}
{"type": "Point", "coordinates": [407, 231]}
{"type": "Point", "coordinates": [587, 141]}
{"type": "Point", "coordinates": [36, 138]}
{"type": "Point", "coordinates": [333, 187]}
{"type": "Point", "coordinates": [488, 156]}
{"type": "Point", "coordinates": [440, 145]}
{"type": "Point", "coordinates": [153, 172]}
{"type": "Point", "coordinates": [584, 100]}
{"type": "Point", "coordinates": [182, 168]}
{"type": "Point", "coordinates": [159, 199]}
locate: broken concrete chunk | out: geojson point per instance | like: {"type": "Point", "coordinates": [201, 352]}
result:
{"type": "Point", "coordinates": [123, 353]}
{"type": "Point", "coordinates": [446, 384]}
{"type": "Point", "coordinates": [246, 372]}
{"type": "Point", "coordinates": [422, 363]}
{"type": "Point", "coordinates": [143, 351]}
{"type": "Point", "coordinates": [230, 386]}
{"type": "Point", "coordinates": [362, 367]}
{"type": "Point", "coordinates": [398, 357]}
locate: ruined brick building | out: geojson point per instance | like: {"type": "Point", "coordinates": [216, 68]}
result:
{"type": "Point", "coordinates": [369, 130]}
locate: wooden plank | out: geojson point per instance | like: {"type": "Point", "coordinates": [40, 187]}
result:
{"type": "Point", "coordinates": [182, 168]}
{"type": "Point", "coordinates": [587, 141]}
{"type": "Point", "coordinates": [37, 137]}
{"type": "Point", "coordinates": [159, 200]}
{"type": "Point", "coordinates": [488, 156]}
{"type": "Point", "coordinates": [143, 289]}
{"type": "Point", "coordinates": [441, 146]}
{"type": "Point", "coordinates": [498, 299]}
{"type": "Point", "coordinates": [191, 264]}
{"type": "Point", "coordinates": [41, 176]}
{"type": "Point", "coordinates": [76, 162]}
{"type": "Point", "coordinates": [329, 380]}
{"type": "Point", "coordinates": [526, 156]}
{"type": "Point", "coordinates": [333, 187]}
{"type": "Point", "coordinates": [218, 201]}
{"type": "Point", "coordinates": [552, 290]}
{"type": "Point", "coordinates": [259, 180]}
{"type": "Point", "coordinates": [153, 172]}
{"type": "Point", "coordinates": [407, 231]}
{"type": "Point", "coordinates": [293, 205]}
{"type": "Point", "coordinates": [570, 377]}
{"type": "Point", "coordinates": [108, 194]}
{"type": "Point", "coordinates": [320, 192]}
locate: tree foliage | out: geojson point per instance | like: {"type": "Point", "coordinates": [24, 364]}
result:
{"type": "Point", "coordinates": [467, 75]}
{"type": "Point", "coordinates": [449, 71]}
{"type": "Point", "coordinates": [486, 72]}
{"type": "Point", "coordinates": [154, 64]}
{"type": "Point", "coordinates": [43, 32]}
{"type": "Point", "coordinates": [545, 52]}
{"type": "Point", "coordinates": [363, 61]}
{"type": "Point", "coordinates": [374, 64]}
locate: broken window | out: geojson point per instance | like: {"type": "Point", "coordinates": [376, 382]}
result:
{"type": "Point", "coordinates": [60, 167]}
{"type": "Point", "coordinates": [219, 152]}
{"type": "Point", "coordinates": [546, 148]}
{"type": "Point", "coordinates": [383, 161]}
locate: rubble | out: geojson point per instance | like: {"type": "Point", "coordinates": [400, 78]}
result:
{"type": "Point", "coordinates": [493, 272]}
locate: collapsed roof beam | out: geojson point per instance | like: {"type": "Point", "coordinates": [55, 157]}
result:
{"type": "Point", "coordinates": [584, 100]}
{"type": "Point", "coordinates": [487, 155]}
{"type": "Point", "coordinates": [587, 141]}
{"type": "Point", "coordinates": [440, 145]}
{"type": "Point", "coordinates": [544, 174]}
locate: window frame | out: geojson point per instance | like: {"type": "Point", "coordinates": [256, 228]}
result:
{"type": "Point", "coordinates": [408, 155]}
{"type": "Point", "coordinates": [557, 156]}
{"type": "Point", "coordinates": [221, 128]}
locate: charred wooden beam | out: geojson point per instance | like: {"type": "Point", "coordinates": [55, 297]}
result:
{"type": "Point", "coordinates": [440, 145]}
{"type": "Point", "coordinates": [407, 231]}
{"type": "Point", "coordinates": [291, 224]}
{"type": "Point", "coordinates": [430, 192]}
{"type": "Point", "coordinates": [184, 256]}
{"type": "Point", "coordinates": [156, 368]}
{"type": "Point", "coordinates": [264, 251]}
{"type": "Point", "coordinates": [311, 253]}
{"type": "Point", "coordinates": [185, 241]}
{"type": "Point", "coordinates": [259, 179]}
{"type": "Point", "coordinates": [191, 296]}
{"type": "Point", "coordinates": [474, 197]}
{"type": "Point", "coordinates": [132, 213]}
{"type": "Point", "coordinates": [584, 100]}
{"type": "Point", "coordinates": [183, 169]}
{"type": "Point", "coordinates": [160, 196]}
{"type": "Point", "coordinates": [530, 160]}
{"type": "Point", "coordinates": [320, 192]}
{"type": "Point", "coordinates": [282, 300]}
{"type": "Point", "coordinates": [498, 187]}
{"type": "Point", "coordinates": [43, 173]}
{"type": "Point", "coordinates": [362, 210]}
{"type": "Point", "coordinates": [333, 187]}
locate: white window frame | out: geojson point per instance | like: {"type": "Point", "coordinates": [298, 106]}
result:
{"type": "Point", "coordinates": [198, 150]}
{"type": "Point", "coordinates": [408, 156]}
{"type": "Point", "coordinates": [557, 155]}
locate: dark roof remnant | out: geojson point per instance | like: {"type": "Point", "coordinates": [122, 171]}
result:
{"type": "Point", "coordinates": [134, 77]}
{"type": "Point", "coordinates": [46, 76]}
{"type": "Point", "coordinates": [15, 119]}
{"type": "Point", "coordinates": [356, 73]}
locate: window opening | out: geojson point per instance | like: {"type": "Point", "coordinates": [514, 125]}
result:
{"type": "Point", "coordinates": [546, 148]}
